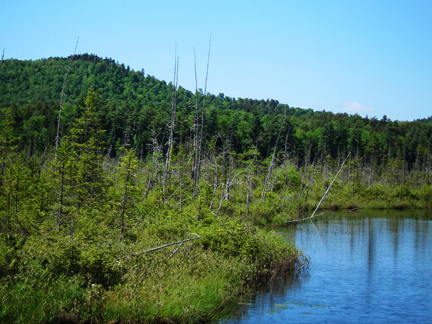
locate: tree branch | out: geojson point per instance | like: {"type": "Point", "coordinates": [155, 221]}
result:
{"type": "Point", "coordinates": [313, 214]}
{"type": "Point", "coordinates": [159, 247]}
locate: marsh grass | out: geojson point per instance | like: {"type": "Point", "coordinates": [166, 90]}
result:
{"type": "Point", "coordinates": [203, 281]}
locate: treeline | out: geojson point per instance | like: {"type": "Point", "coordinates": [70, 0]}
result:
{"type": "Point", "coordinates": [308, 137]}
{"type": "Point", "coordinates": [136, 108]}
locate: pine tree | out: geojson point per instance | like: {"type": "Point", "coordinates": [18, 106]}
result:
{"type": "Point", "coordinates": [127, 189]}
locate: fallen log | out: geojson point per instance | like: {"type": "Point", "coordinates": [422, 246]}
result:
{"type": "Point", "coordinates": [158, 248]}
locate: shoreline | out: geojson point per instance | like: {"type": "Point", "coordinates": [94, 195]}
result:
{"type": "Point", "coordinates": [204, 281]}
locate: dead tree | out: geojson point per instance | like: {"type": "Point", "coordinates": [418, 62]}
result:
{"type": "Point", "coordinates": [323, 197]}
{"type": "Point", "coordinates": [198, 135]}
{"type": "Point", "coordinates": [1, 61]}
{"type": "Point", "coordinates": [264, 191]}
{"type": "Point", "coordinates": [248, 189]}
{"type": "Point", "coordinates": [61, 98]}
{"type": "Point", "coordinates": [328, 189]}
{"type": "Point", "coordinates": [215, 185]}
{"type": "Point", "coordinates": [156, 152]}
{"type": "Point", "coordinates": [195, 144]}
{"type": "Point", "coordinates": [224, 195]}
{"type": "Point", "coordinates": [202, 116]}
{"type": "Point", "coordinates": [172, 122]}
{"type": "Point", "coordinates": [161, 247]}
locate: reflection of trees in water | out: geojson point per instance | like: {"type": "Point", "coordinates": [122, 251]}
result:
{"type": "Point", "coordinates": [265, 295]}
{"type": "Point", "coordinates": [367, 234]}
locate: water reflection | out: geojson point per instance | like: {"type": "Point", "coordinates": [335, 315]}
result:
{"type": "Point", "coordinates": [368, 266]}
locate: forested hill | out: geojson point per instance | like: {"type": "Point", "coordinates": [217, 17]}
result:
{"type": "Point", "coordinates": [134, 109]}
{"type": "Point", "coordinates": [29, 82]}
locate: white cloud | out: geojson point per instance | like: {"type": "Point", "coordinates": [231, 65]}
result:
{"type": "Point", "coordinates": [355, 107]}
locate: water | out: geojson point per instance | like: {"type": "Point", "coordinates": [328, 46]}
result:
{"type": "Point", "coordinates": [366, 267]}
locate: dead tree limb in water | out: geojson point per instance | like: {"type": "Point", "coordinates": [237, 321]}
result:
{"type": "Point", "coordinates": [322, 199]}
{"type": "Point", "coordinates": [299, 220]}
{"type": "Point", "coordinates": [264, 192]}
{"type": "Point", "coordinates": [159, 247]}
{"type": "Point", "coordinates": [328, 189]}
{"type": "Point", "coordinates": [62, 96]}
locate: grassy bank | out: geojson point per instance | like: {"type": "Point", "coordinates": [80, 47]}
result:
{"type": "Point", "coordinates": [57, 280]}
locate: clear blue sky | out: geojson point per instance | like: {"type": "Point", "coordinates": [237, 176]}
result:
{"type": "Point", "coordinates": [370, 57]}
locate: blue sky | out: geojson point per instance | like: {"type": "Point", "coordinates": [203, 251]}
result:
{"type": "Point", "coordinates": [366, 57]}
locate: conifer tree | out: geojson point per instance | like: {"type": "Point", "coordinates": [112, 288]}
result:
{"type": "Point", "coordinates": [128, 166]}
{"type": "Point", "coordinates": [80, 176]}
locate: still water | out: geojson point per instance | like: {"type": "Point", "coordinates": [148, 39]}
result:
{"type": "Point", "coordinates": [366, 267]}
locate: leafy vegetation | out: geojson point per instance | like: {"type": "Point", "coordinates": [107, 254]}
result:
{"type": "Point", "coordinates": [111, 188]}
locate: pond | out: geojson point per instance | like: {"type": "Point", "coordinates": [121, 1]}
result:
{"type": "Point", "coordinates": [367, 266]}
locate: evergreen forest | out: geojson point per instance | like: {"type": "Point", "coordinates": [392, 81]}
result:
{"type": "Point", "coordinates": [126, 198]}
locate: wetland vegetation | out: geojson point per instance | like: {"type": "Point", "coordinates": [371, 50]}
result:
{"type": "Point", "coordinates": [135, 163]}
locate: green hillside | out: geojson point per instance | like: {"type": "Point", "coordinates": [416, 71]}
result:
{"type": "Point", "coordinates": [133, 105]}
{"type": "Point", "coordinates": [152, 205]}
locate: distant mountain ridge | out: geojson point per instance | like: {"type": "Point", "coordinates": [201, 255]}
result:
{"type": "Point", "coordinates": [30, 81]}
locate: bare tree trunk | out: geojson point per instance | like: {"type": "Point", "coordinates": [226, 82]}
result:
{"type": "Point", "coordinates": [196, 127]}
{"type": "Point", "coordinates": [248, 190]}
{"type": "Point", "coordinates": [156, 151]}
{"type": "Point", "coordinates": [61, 98]}
{"type": "Point", "coordinates": [172, 123]}
{"type": "Point", "coordinates": [264, 192]}
{"type": "Point", "coordinates": [328, 189]}
{"type": "Point", "coordinates": [215, 186]}
{"type": "Point", "coordinates": [202, 117]}
{"type": "Point", "coordinates": [224, 195]}
{"type": "Point", "coordinates": [1, 61]}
